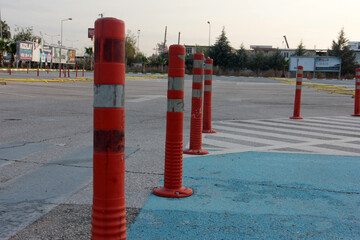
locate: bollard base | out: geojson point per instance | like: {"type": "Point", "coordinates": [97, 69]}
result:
{"type": "Point", "coordinates": [182, 192]}
{"type": "Point", "coordinates": [293, 117]}
{"type": "Point", "coordinates": [196, 152]}
{"type": "Point", "coordinates": [209, 131]}
{"type": "Point", "coordinates": [355, 115]}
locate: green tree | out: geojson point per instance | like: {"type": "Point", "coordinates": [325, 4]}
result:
{"type": "Point", "coordinates": [3, 48]}
{"type": "Point", "coordinates": [89, 53]}
{"type": "Point", "coordinates": [276, 60]}
{"type": "Point", "coordinates": [300, 50]}
{"type": "Point", "coordinates": [5, 30]}
{"type": "Point", "coordinates": [12, 50]}
{"type": "Point", "coordinates": [240, 58]}
{"type": "Point", "coordinates": [25, 34]}
{"type": "Point", "coordinates": [258, 61]}
{"type": "Point", "coordinates": [341, 49]}
{"type": "Point", "coordinates": [130, 47]}
{"type": "Point", "coordinates": [221, 52]}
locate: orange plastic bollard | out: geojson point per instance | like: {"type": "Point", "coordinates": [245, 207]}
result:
{"type": "Point", "coordinates": [357, 94]}
{"type": "Point", "coordinates": [9, 69]}
{"type": "Point", "coordinates": [196, 107]}
{"type": "Point", "coordinates": [38, 71]}
{"type": "Point", "coordinates": [207, 96]}
{"type": "Point", "coordinates": [297, 102]}
{"type": "Point", "coordinates": [108, 209]}
{"type": "Point", "coordinates": [174, 127]}
{"type": "Point", "coordinates": [64, 71]}
{"type": "Point", "coordinates": [83, 72]}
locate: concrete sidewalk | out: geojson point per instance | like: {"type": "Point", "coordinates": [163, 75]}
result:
{"type": "Point", "coordinates": [259, 195]}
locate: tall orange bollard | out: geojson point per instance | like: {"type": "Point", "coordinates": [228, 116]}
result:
{"type": "Point", "coordinates": [207, 96]}
{"type": "Point", "coordinates": [297, 102]}
{"type": "Point", "coordinates": [83, 71]}
{"type": "Point", "coordinates": [357, 94]}
{"type": "Point", "coordinates": [174, 127]}
{"type": "Point", "coordinates": [108, 209]}
{"type": "Point", "coordinates": [9, 69]}
{"type": "Point", "coordinates": [38, 71]}
{"type": "Point", "coordinates": [64, 71]}
{"type": "Point", "coordinates": [196, 107]}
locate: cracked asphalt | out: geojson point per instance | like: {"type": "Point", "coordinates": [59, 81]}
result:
{"type": "Point", "coordinates": [46, 144]}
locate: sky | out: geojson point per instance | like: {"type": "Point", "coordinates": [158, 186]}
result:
{"type": "Point", "coordinates": [249, 22]}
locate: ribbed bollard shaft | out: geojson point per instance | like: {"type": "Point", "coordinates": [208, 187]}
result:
{"type": "Point", "coordinates": [357, 94]}
{"type": "Point", "coordinates": [108, 211]}
{"type": "Point", "coordinates": [208, 96]}
{"type": "Point", "coordinates": [297, 102]}
{"type": "Point", "coordinates": [196, 107]}
{"type": "Point", "coordinates": [174, 127]}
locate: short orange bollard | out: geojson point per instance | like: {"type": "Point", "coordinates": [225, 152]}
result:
{"type": "Point", "coordinates": [196, 108]}
{"type": "Point", "coordinates": [357, 94]}
{"type": "Point", "coordinates": [108, 209]}
{"type": "Point", "coordinates": [297, 102]}
{"type": "Point", "coordinates": [207, 96]}
{"type": "Point", "coordinates": [174, 128]}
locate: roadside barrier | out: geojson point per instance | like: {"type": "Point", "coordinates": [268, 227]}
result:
{"type": "Point", "coordinates": [297, 102]}
{"type": "Point", "coordinates": [172, 187]}
{"type": "Point", "coordinates": [196, 107]}
{"type": "Point", "coordinates": [207, 96]}
{"type": "Point", "coordinates": [108, 209]}
{"type": "Point", "coordinates": [357, 94]}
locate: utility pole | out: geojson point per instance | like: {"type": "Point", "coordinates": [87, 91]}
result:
{"type": "Point", "coordinates": [1, 35]}
{"type": "Point", "coordinates": [164, 39]}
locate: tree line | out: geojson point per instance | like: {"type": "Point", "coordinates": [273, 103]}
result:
{"type": "Point", "coordinates": [226, 58]}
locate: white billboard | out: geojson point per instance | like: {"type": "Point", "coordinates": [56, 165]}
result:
{"type": "Point", "coordinates": [316, 64]}
{"type": "Point", "coordinates": [306, 62]}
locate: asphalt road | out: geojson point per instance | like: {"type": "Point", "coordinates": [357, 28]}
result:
{"type": "Point", "coordinates": [46, 144]}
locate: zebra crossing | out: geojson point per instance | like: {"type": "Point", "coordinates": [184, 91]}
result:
{"type": "Point", "coordinates": [337, 135]}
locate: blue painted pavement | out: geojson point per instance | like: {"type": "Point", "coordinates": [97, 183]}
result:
{"type": "Point", "coordinates": [257, 195]}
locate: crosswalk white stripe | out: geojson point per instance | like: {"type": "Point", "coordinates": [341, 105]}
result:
{"type": "Point", "coordinates": [247, 138]}
{"type": "Point", "coordinates": [338, 145]}
{"type": "Point", "coordinates": [322, 122]}
{"type": "Point", "coordinates": [240, 130]}
{"type": "Point", "coordinates": [289, 132]}
{"type": "Point", "coordinates": [307, 127]}
{"type": "Point", "coordinates": [350, 120]}
{"type": "Point", "coordinates": [225, 144]}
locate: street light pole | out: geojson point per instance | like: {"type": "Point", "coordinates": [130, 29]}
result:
{"type": "Point", "coordinates": [138, 40]}
{"type": "Point", "coordinates": [209, 33]}
{"type": "Point", "coordinates": [61, 38]}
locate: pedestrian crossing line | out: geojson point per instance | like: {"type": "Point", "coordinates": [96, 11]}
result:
{"type": "Point", "coordinates": [246, 138]}
{"type": "Point", "coordinates": [345, 119]}
{"type": "Point", "coordinates": [288, 132]}
{"type": "Point", "coordinates": [329, 123]}
{"type": "Point", "coordinates": [283, 136]}
{"type": "Point", "coordinates": [309, 128]}
{"type": "Point", "coordinates": [279, 135]}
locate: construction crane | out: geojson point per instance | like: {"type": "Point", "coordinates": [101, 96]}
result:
{"type": "Point", "coordinates": [287, 44]}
